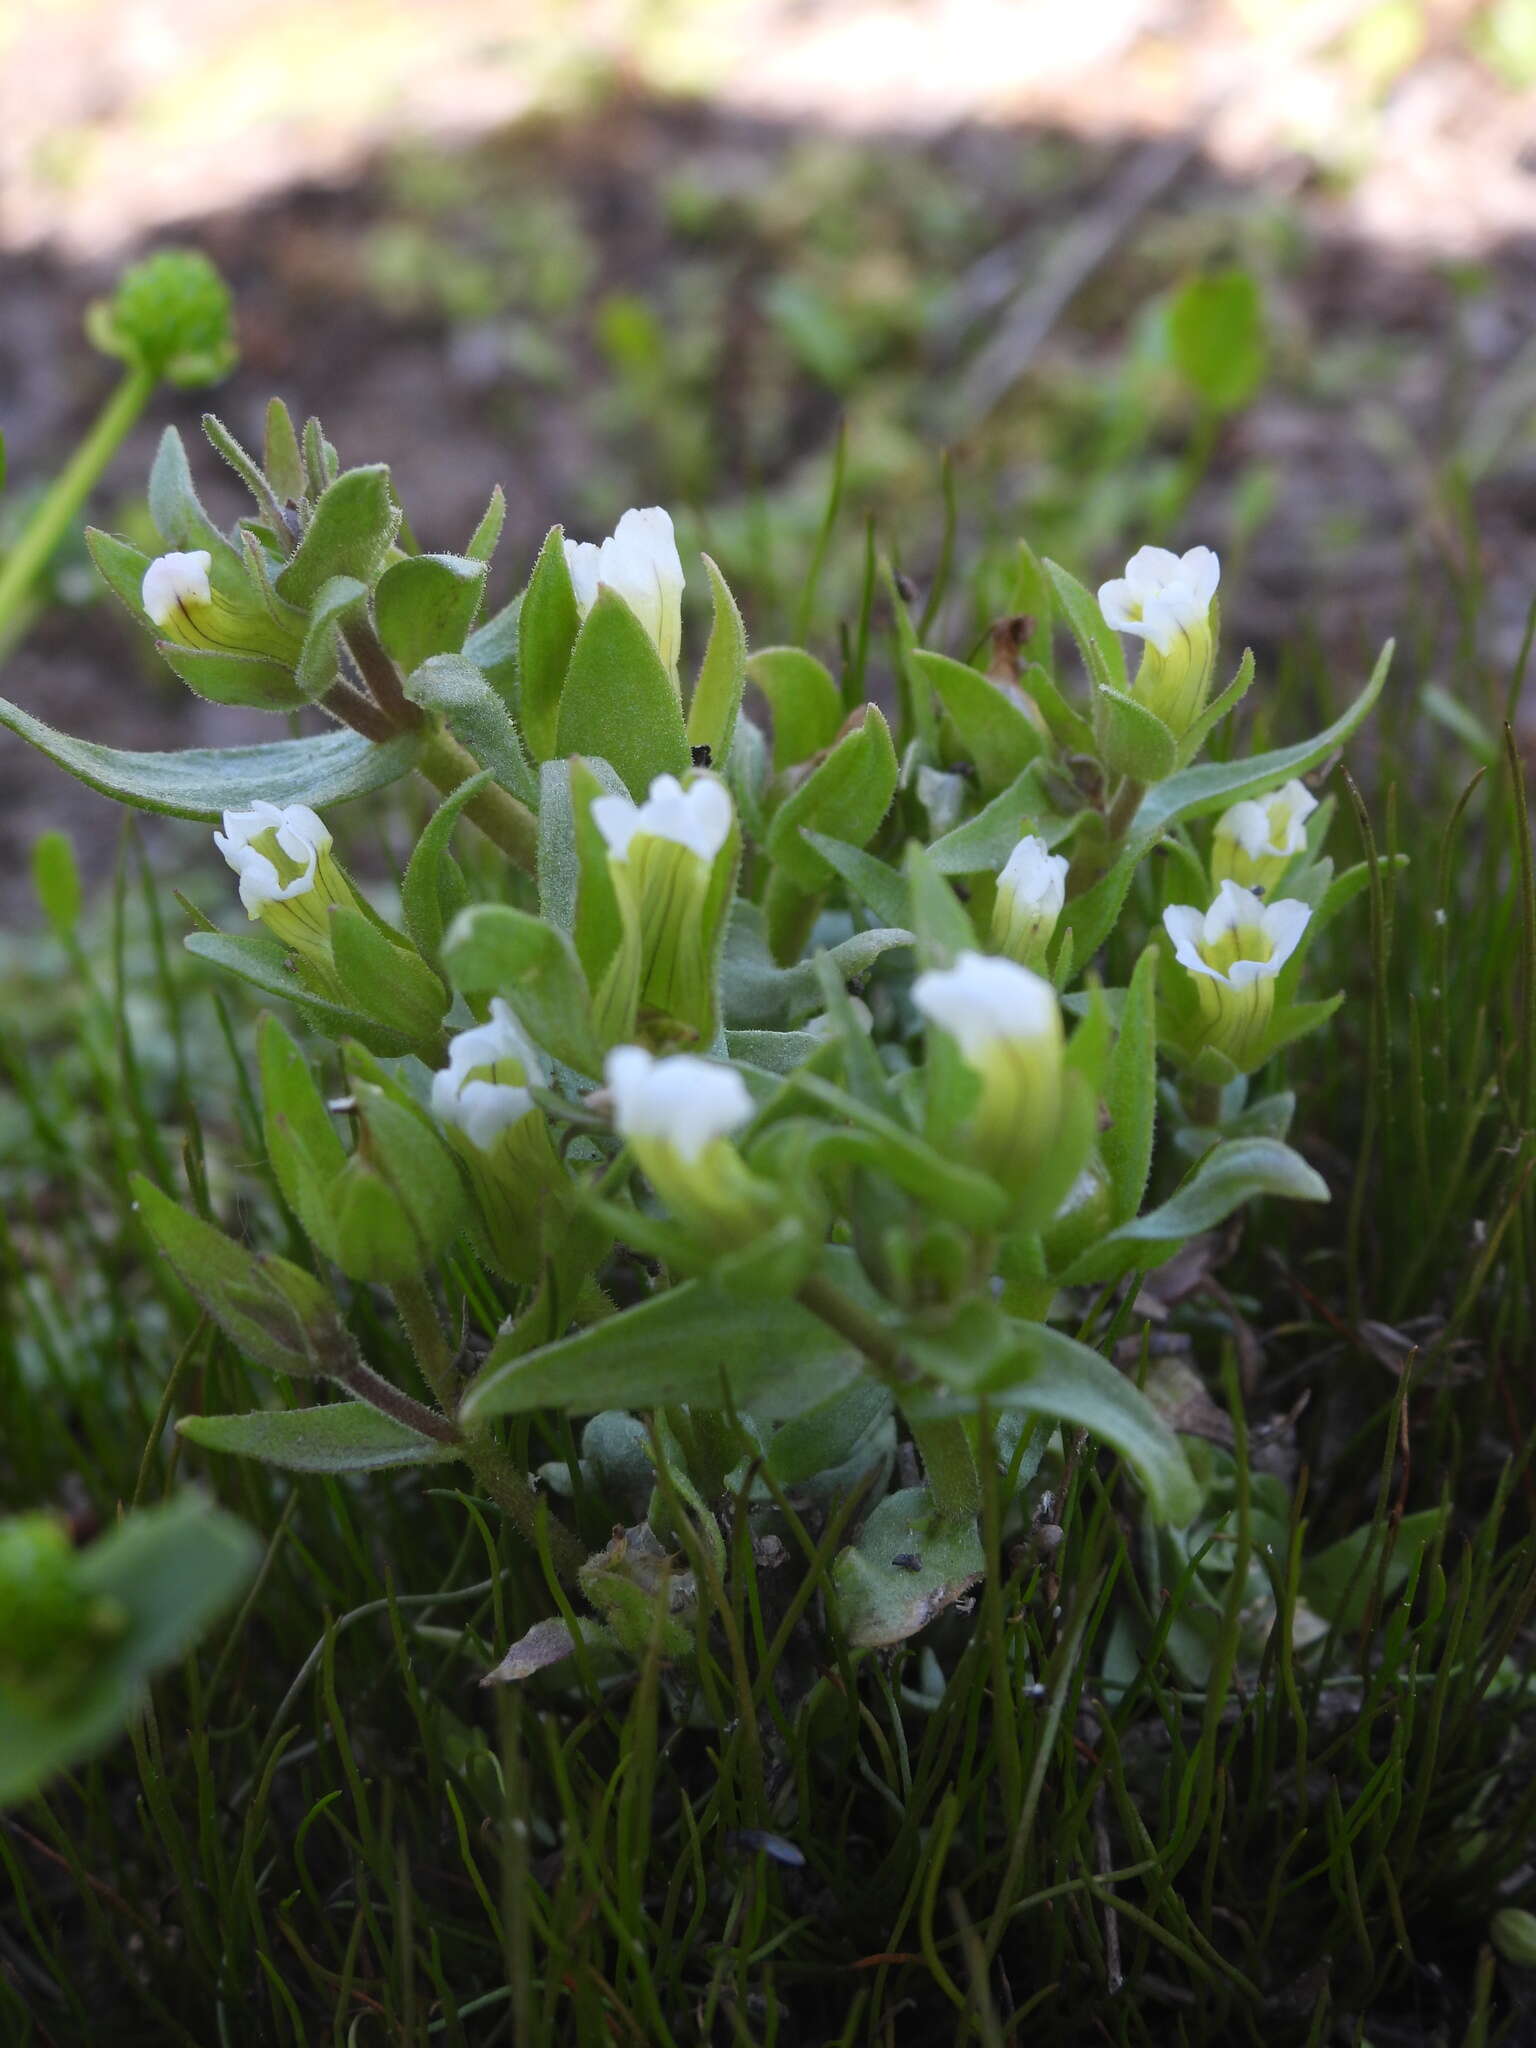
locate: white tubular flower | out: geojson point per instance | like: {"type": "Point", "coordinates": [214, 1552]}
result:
{"type": "Point", "coordinates": [483, 1101]}
{"type": "Point", "coordinates": [483, 1090]}
{"type": "Point", "coordinates": [678, 1116]}
{"type": "Point", "coordinates": [1031, 891]}
{"type": "Point", "coordinates": [1165, 600]}
{"type": "Point", "coordinates": [698, 817]}
{"type": "Point", "coordinates": [282, 854]}
{"type": "Point", "coordinates": [175, 589]}
{"type": "Point", "coordinates": [639, 561]}
{"type": "Point", "coordinates": [1006, 1022]}
{"type": "Point", "coordinates": [665, 859]}
{"type": "Point", "coordinates": [1234, 951]}
{"type": "Point", "coordinates": [1256, 839]}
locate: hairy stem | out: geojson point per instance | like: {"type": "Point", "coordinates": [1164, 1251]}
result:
{"type": "Point", "coordinates": [504, 821]}
{"type": "Point", "coordinates": [487, 1458]}
{"type": "Point", "coordinates": [1127, 802]}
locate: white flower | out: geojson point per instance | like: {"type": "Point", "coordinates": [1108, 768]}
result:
{"type": "Point", "coordinates": [1240, 939]}
{"type": "Point", "coordinates": [639, 561]}
{"type": "Point", "coordinates": [171, 582]}
{"type": "Point", "coordinates": [1235, 951]}
{"type": "Point", "coordinates": [1162, 595]}
{"type": "Point", "coordinates": [276, 851]}
{"type": "Point", "coordinates": [683, 1103]}
{"type": "Point", "coordinates": [483, 1090]}
{"type": "Point", "coordinates": [698, 817]}
{"type": "Point", "coordinates": [984, 1002]}
{"type": "Point", "coordinates": [1031, 891]}
{"type": "Point", "coordinates": [1255, 838]}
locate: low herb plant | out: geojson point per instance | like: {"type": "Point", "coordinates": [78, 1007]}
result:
{"type": "Point", "coordinates": [772, 1144]}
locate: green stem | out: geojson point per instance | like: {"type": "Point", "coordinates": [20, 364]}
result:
{"type": "Point", "coordinates": [69, 491]}
{"type": "Point", "coordinates": [487, 1458]}
{"type": "Point", "coordinates": [1202, 1104]}
{"type": "Point", "coordinates": [1127, 803]}
{"type": "Point", "coordinates": [949, 1460]}
{"type": "Point", "coordinates": [504, 821]}
{"type": "Point", "coordinates": [789, 914]}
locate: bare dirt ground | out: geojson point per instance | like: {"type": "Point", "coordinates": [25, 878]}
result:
{"type": "Point", "coordinates": [1048, 173]}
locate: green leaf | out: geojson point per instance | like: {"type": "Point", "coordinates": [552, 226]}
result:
{"type": "Point", "coordinates": [252, 680]}
{"type": "Point", "coordinates": [997, 735]}
{"type": "Point", "coordinates": [1229, 1175]}
{"type": "Point", "coordinates": [337, 602]}
{"type": "Point", "coordinates": [390, 984]}
{"type": "Point", "coordinates": [280, 456]}
{"type": "Point", "coordinates": [773, 1052]}
{"type": "Point", "coordinates": [264, 963]}
{"type": "Point", "coordinates": [1046, 1373]}
{"type": "Point", "coordinates": [1130, 1095]}
{"type": "Point", "coordinates": [460, 693]}
{"type": "Point", "coordinates": [434, 890]}
{"type": "Point", "coordinates": [847, 794]}
{"type": "Point", "coordinates": [1136, 742]}
{"type": "Point", "coordinates": [618, 701]}
{"type": "Point", "coordinates": [758, 995]}
{"type": "Point", "coordinates": [939, 920]}
{"type": "Point", "coordinates": [121, 567]}
{"type": "Point", "coordinates": [829, 1433]}
{"type": "Point", "coordinates": [350, 533]}
{"type": "Point", "coordinates": [1195, 792]}
{"type": "Point", "coordinates": [271, 1310]}
{"type": "Point", "coordinates": [170, 1571]}
{"type": "Point", "coordinates": [56, 878]}
{"type": "Point", "coordinates": [343, 1436]}
{"type": "Point", "coordinates": [482, 542]}
{"type": "Point", "coordinates": [174, 504]}
{"type": "Point", "coordinates": [691, 1344]}
{"type": "Point", "coordinates": [983, 843]}
{"type": "Point", "coordinates": [1341, 1580]}
{"type": "Point", "coordinates": [492, 949]}
{"type": "Point", "coordinates": [881, 1601]}
{"type": "Point", "coordinates": [426, 605]}
{"type": "Point", "coordinates": [806, 704]}
{"type": "Point", "coordinates": [204, 782]}
{"type": "Point", "coordinates": [871, 880]}
{"type": "Point", "coordinates": [1097, 640]}
{"type": "Point", "coordinates": [722, 674]}
{"type": "Point", "coordinates": [547, 624]}
{"type": "Point", "coordinates": [1217, 340]}
{"type": "Point", "coordinates": [1213, 714]}
{"type": "Point", "coordinates": [492, 647]}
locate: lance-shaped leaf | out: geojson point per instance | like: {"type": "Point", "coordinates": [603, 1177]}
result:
{"type": "Point", "coordinates": [271, 1310]}
{"type": "Point", "coordinates": [175, 507]}
{"type": "Point", "coordinates": [873, 881]}
{"type": "Point", "coordinates": [265, 964]}
{"type": "Point", "coordinates": [806, 703]}
{"type": "Point", "coordinates": [548, 621]}
{"type": "Point", "coordinates": [1097, 640]}
{"type": "Point", "coordinates": [618, 701]}
{"type": "Point", "coordinates": [350, 533]}
{"type": "Point", "coordinates": [1229, 1175]}
{"type": "Point", "coordinates": [204, 782]}
{"type": "Point", "coordinates": [847, 795]}
{"type": "Point", "coordinates": [252, 680]}
{"type": "Point", "coordinates": [434, 890]}
{"type": "Point", "coordinates": [426, 605]}
{"type": "Point", "coordinates": [722, 674]}
{"type": "Point", "coordinates": [1038, 1371]}
{"type": "Point", "coordinates": [1135, 741]}
{"type": "Point", "coordinates": [463, 696]}
{"type": "Point", "coordinates": [997, 735]}
{"type": "Point", "coordinates": [1130, 1093]}
{"type": "Point", "coordinates": [691, 1344]}
{"type": "Point", "coordinates": [983, 843]}
{"type": "Point", "coordinates": [758, 995]}
{"type": "Point", "coordinates": [343, 1436]}
{"type": "Point", "coordinates": [388, 981]}
{"type": "Point", "coordinates": [492, 949]}
{"type": "Point", "coordinates": [337, 603]}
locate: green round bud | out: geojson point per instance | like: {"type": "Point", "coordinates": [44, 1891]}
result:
{"type": "Point", "coordinates": [172, 314]}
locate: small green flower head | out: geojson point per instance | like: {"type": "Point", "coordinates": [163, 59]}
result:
{"type": "Point", "coordinates": [172, 315]}
{"type": "Point", "coordinates": [1006, 1022]}
{"type": "Point", "coordinates": [186, 602]}
{"type": "Point", "coordinates": [1233, 953]}
{"type": "Point", "coordinates": [1165, 600]}
{"type": "Point", "coordinates": [52, 1629]}
{"type": "Point", "coordinates": [1255, 840]}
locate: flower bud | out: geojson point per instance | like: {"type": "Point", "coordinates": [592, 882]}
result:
{"type": "Point", "coordinates": [1030, 893]}
{"type": "Point", "coordinates": [1165, 600]}
{"type": "Point", "coordinates": [1234, 952]}
{"type": "Point", "coordinates": [663, 857]}
{"type": "Point", "coordinates": [640, 563]}
{"type": "Point", "coordinates": [1255, 840]}
{"type": "Point", "coordinates": [482, 1100]}
{"type": "Point", "coordinates": [677, 1116]}
{"type": "Point", "coordinates": [52, 1628]}
{"type": "Point", "coordinates": [287, 877]}
{"type": "Point", "coordinates": [1006, 1022]}
{"type": "Point", "coordinates": [183, 603]}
